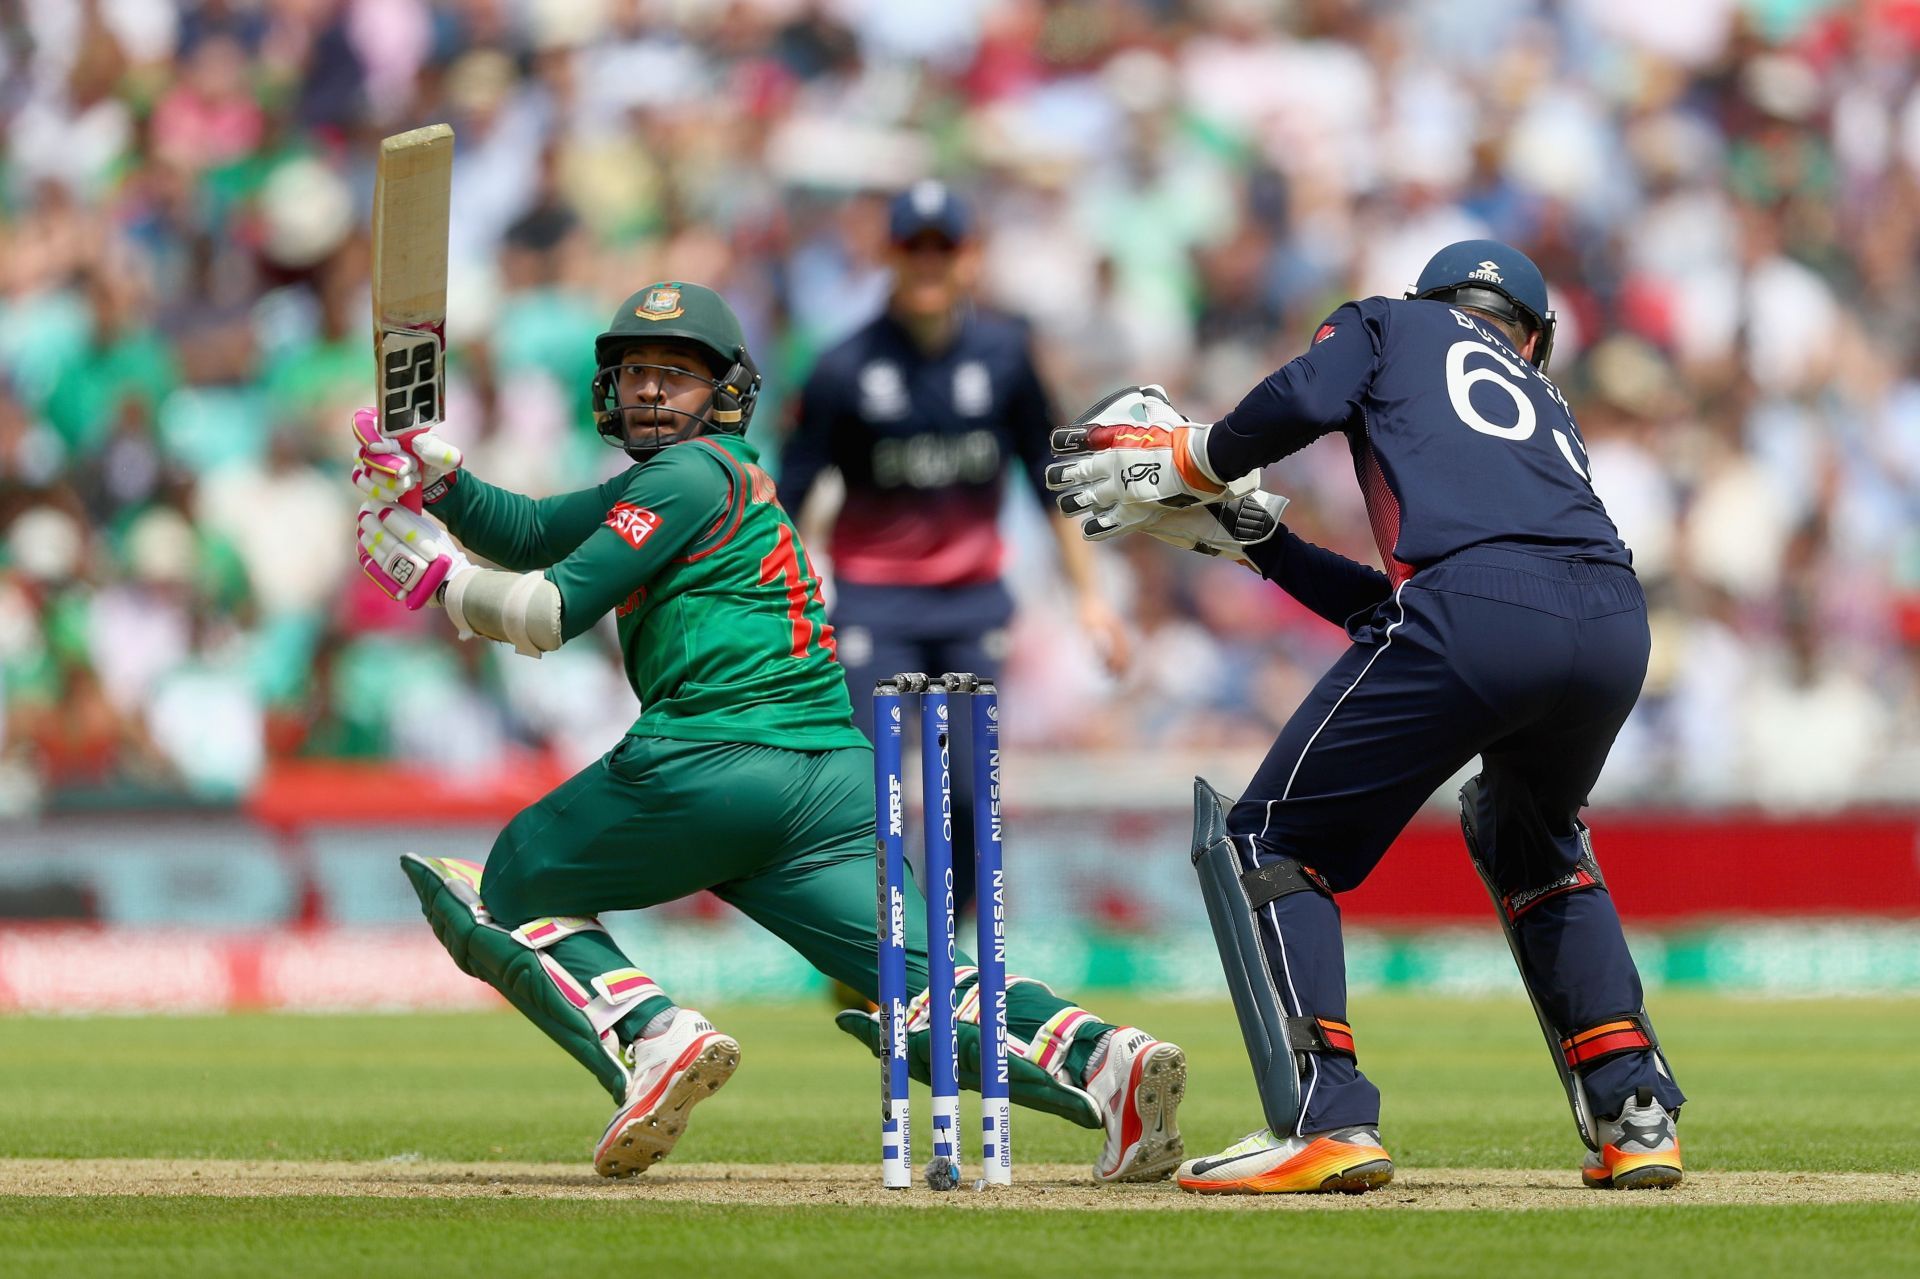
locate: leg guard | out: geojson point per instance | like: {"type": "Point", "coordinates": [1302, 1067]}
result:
{"type": "Point", "coordinates": [1272, 1037]}
{"type": "Point", "coordinates": [514, 962]}
{"type": "Point", "coordinates": [1036, 1068]}
{"type": "Point", "coordinates": [1574, 1048]}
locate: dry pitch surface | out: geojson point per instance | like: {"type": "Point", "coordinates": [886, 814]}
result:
{"type": "Point", "coordinates": [1044, 1186]}
{"type": "Point", "coordinates": [349, 1147]}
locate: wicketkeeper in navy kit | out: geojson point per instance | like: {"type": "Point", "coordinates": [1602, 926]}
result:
{"type": "Point", "coordinates": [1508, 624]}
{"type": "Point", "coordinates": [923, 410]}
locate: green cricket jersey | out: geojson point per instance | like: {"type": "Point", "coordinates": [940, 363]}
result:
{"type": "Point", "coordinates": [721, 624]}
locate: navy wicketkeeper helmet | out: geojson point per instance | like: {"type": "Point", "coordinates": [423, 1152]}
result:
{"type": "Point", "coordinates": [1492, 277]}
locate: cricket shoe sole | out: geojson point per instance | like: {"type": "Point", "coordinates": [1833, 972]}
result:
{"type": "Point", "coordinates": [644, 1131]}
{"type": "Point", "coordinates": [1617, 1170]}
{"type": "Point", "coordinates": [1323, 1165]}
{"type": "Point", "coordinates": [1150, 1143]}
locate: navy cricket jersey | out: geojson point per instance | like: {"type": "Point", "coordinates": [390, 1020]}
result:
{"type": "Point", "coordinates": [923, 441]}
{"type": "Point", "coordinates": [1457, 441]}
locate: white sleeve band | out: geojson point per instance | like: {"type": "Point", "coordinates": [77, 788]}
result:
{"type": "Point", "coordinates": [521, 609]}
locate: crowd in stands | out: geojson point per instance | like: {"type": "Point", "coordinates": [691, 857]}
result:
{"type": "Point", "coordinates": [1724, 195]}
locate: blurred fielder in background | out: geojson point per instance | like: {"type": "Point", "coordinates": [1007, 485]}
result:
{"type": "Point", "coordinates": [924, 410]}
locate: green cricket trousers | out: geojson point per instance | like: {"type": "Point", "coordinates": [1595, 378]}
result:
{"type": "Point", "coordinates": [786, 836]}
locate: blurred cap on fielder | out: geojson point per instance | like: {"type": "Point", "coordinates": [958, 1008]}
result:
{"type": "Point", "coordinates": [928, 206]}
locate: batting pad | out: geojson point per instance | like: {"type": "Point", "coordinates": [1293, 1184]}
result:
{"type": "Point", "coordinates": [1027, 1084]}
{"type": "Point", "coordinates": [514, 963]}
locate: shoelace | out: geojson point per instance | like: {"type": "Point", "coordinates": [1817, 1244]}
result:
{"type": "Point", "coordinates": [1258, 1139]}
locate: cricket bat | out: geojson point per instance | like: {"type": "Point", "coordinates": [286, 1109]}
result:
{"type": "Point", "coordinates": [410, 197]}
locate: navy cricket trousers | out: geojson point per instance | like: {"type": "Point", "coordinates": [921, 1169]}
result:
{"type": "Point", "coordinates": [1532, 664]}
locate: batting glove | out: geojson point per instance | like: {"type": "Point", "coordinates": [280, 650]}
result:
{"type": "Point", "coordinates": [408, 556]}
{"type": "Point", "coordinates": [387, 470]}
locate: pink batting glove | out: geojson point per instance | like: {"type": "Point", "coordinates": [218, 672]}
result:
{"type": "Point", "coordinates": [408, 470]}
{"type": "Point", "coordinates": [385, 470]}
{"type": "Point", "coordinates": [406, 555]}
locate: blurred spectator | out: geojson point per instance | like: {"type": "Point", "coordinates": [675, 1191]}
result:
{"type": "Point", "coordinates": [1725, 196]}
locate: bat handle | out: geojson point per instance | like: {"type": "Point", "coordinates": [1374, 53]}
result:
{"type": "Point", "coordinates": [413, 499]}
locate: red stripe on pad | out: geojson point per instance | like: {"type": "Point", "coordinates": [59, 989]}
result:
{"type": "Point", "coordinates": [1582, 1052]}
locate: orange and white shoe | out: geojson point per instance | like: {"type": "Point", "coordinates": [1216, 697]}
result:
{"type": "Point", "coordinates": [1344, 1161]}
{"type": "Point", "coordinates": [1638, 1151]}
{"type": "Point", "coordinates": [684, 1064]}
{"type": "Point", "coordinates": [1139, 1086]}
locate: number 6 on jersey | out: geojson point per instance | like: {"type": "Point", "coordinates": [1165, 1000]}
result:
{"type": "Point", "coordinates": [1460, 384]}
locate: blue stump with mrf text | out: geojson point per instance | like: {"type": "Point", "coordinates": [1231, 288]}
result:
{"type": "Point", "coordinates": [989, 992]}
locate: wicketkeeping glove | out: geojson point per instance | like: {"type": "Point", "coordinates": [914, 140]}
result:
{"type": "Point", "coordinates": [1134, 448]}
{"type": "Point", "coordinates": [408, 556]}
{"type": "Point", "coordinates": [387, 470]}
{"type": "Point", "coordinates": [1216, 528]}
{"type": "Point", "coordinates": [1225, 528]}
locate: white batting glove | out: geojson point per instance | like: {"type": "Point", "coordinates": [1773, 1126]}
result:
{"type": "Point", "coordinates": [408, 556]}
{"type": "Point", "coordinates": [386, 470]}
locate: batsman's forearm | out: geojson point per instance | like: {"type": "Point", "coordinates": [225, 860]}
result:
{"type": "Point", "coordinates": [515, 531]}
{"type": "Point", "coordinates": [521, 609]}
{"type": "Point", "coordinates": [1325, 581]}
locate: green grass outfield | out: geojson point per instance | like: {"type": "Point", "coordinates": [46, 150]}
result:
{"type": "Point", "coordinates": [1791, 1087]}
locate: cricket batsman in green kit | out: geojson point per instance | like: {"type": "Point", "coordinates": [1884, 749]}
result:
{"type": "Point", "coordinates": [743, 774]}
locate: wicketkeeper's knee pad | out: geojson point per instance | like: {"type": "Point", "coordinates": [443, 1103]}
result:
{"type": "Point", "coordinates": [515, 963]}
{"type": "Point", "coordinates": [1036, 1069]}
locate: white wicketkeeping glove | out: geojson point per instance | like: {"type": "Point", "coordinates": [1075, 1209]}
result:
{"type": "Point", "coordinates": [1134, 448]}
{"type": "Point", "coordinates": [1222, 528]}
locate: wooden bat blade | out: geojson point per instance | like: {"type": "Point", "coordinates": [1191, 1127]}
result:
{"type": "Point", "coordinates": [412, 190]}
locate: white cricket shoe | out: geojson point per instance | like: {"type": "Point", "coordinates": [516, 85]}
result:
{"type": "Point", "coordinates": [684, 1064]}
{"type": "Point", "coordinates": [1345, 1160]}
{"type": "Point", "coordinates": [1639, 1150]}
{"type": "Point", "coordinates": [1139, 1085]}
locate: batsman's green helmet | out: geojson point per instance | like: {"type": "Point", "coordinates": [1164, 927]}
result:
{"type": "Point", "coordinates": [675, 312]}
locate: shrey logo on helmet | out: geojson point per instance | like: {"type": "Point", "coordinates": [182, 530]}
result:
{"type": "Point", "coordinates": [1496, 278]}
